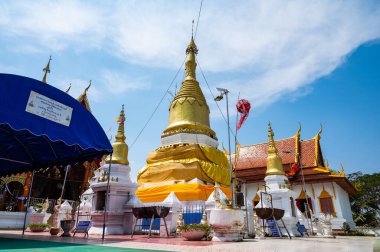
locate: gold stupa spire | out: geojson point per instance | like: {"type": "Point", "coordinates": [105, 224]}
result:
{"type": "Point", "coordinates": [120, 148]}
{"type": "Point", "coordinates": [46, 70]}
{"type": "Point", "coordinates": [189, 112]}
{"type": "Point", "coordinates": [274, 162]}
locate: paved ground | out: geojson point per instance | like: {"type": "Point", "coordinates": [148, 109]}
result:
{"type": "Point", "coordinates": [340, 244]}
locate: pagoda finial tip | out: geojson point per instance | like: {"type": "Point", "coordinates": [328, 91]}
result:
{"type": "Point", "coordinates": [192, 29]}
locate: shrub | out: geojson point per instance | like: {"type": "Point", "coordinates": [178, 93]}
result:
{"type": "Point", "coordinates": [42, 225]}
{"type": "Point", "coordinates": [355, 233]}
{"type": "Point", "coordinates": [195, 227]}
{"type": "Point", "coordinates": [346, 228]}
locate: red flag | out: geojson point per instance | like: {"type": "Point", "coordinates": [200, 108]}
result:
{"type": "Point", "coordinates": [243, 106]}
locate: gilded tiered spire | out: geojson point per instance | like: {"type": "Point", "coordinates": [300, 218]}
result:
{"type": "Point", "coordinates": [120, 148]}
{"type": "Point", "coordinates": [274, 162]}
{"type": "Point", "coordinates": [189, 112]}
{"type": "Point", "coordinates": [46, 70]}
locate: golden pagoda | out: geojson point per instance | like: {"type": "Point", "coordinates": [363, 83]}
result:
{"type": "Point", "coordinates": [120, 148]}
{"type": "Point", "coordinates": [188, 162]}
{"type": "Point", "coordinates": [274, 162]}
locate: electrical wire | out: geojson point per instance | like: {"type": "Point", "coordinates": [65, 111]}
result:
{"type": "Point", "coordinates": [158, 105]}
{"type": "Point", "coordinates": [199, 15]}
{"type": "Point", "coordinates": [167, 90]}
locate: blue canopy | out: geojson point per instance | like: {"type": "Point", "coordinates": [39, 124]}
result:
{"type": "Point", "coordinates": [42, 126]}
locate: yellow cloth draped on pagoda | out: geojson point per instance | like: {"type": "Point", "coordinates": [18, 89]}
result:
{"type": "Point", "coordinates": [184, 192]}
{"type": "Point", "coordinates": [185, 163]}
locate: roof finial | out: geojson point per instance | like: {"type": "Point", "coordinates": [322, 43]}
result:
{"type": "Point", "coordinates": [46, 70]}
{"type": "Point", "coordinates": [68, 89]}
{"type": "Point", "coordinates": [83, 98]}
{"type": "Point", "coordinates": [318, 136]}
{"type": "Point", "coordinates": [342, 170]}
{"type": "Point", "coordinates": [86, 89]}
{"type": "Point", "coordinates": [299, 128]}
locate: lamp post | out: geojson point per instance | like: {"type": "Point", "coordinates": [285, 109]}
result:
{"type": "Point", "coordinates": [225, 92]}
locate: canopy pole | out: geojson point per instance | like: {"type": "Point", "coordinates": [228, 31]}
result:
{"type": "Point", "coordinates": [28, 201]}
{"type": "Point", "coordinates": [106, 199]}
{"type": "Point", "coordinates": [64, 181]}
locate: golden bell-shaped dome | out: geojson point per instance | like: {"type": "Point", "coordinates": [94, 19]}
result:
{"type": "Point", "coordinates": [274, 161]}
{"type": "Point", "coordinates": [189, 112]}
{"type": "Point", "coordinates": [120, 148]}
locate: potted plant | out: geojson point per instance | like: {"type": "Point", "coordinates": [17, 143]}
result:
{"type": "Point", "coordinates": [194, 232]}
{"type": "Point", "coordinates": [38, 227]}
{"type": "Point", "coordinates": [68, 222]}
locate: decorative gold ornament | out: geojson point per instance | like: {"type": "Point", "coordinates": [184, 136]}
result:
{"type": "Point", "coordinates": [274, 162]}
{"type": "Point", "coordinates": [120, 148]}
{"type": "Point", "coordinates": [204, 218]}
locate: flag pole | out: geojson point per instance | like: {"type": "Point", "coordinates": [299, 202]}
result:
{"type": "Point", "coordinates": [28, 202]}
{"type": "Point", "coordinates": [106, 198]}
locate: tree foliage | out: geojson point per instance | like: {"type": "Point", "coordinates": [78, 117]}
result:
{"type": "Point", "coordinates": [365, 204]}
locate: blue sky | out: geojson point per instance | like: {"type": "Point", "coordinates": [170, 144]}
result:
{"type": "Point", "coordinates": [297, 61]}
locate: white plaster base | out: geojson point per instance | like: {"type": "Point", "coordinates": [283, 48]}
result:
{"type": "Point", "coordinates": [186, 138]}
{"type": "Point", "coordinates": [11, 220]}
{"type": "Point", "coordinates": [227, 224]}
{"type": "Point", "coordinates": [337, 223]}
{"type": "Point", "coordinates": [128, 221]}
{"type": "Point", "coordinates": [171, 223]}
{"type": "Point", "coordinates": [114, 223]}
{"type": "Point", "coordinates": [290, 223]}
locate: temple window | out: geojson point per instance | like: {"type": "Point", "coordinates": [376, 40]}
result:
{"type": "Point", "coordinates": [326, 203]}
{"type": "Point", "coordinates": [301, 203]}
{"type": "Point", "coordinates": [100, 200]}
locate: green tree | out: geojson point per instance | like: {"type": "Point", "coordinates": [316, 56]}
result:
{"type": "Point", "coordinates": [365, 204]}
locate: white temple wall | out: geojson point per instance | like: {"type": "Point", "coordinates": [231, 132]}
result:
{"type": "Point", "coordinates": [252, 189]}
{"type": "Point", "coordinates": [340, 200]}
{"type": "Point", "coordinates": [344, 202]}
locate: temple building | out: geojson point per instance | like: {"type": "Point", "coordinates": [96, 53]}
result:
{"type": "Point", "coordinates": [187, 162]}
{"type": "Point", "coordinates": [304, 173]}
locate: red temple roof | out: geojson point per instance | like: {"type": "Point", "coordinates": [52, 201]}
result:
{"type": "Point", "coordinates": [250, 165]}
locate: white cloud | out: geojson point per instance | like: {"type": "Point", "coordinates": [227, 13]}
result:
{"type": "Point", "coordinates": [53, 24]}
{"type": "Point", "coordinates": [275, 47]}
{"type": "Point", "coordinates": [117, 83]}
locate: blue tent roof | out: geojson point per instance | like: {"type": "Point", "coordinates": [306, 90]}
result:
{"type": "Point", "coordinates": [41, 126]}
